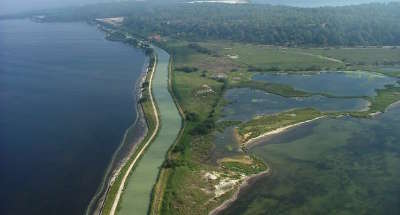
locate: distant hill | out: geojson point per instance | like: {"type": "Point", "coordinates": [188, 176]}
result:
{"type": "Point", "coordinates": [319, 3]}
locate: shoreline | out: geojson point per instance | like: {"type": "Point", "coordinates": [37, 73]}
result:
{"type": "Point", "coordinates": [246, 183]}
{"type": "Point", "coordinates": [277, 131]}
{"type": "Point", "coordinates": [393, 105]}
{"type": "Point", "coordinates": [143, 148]}
{"type": "Point", "coordinates": [124, 151]}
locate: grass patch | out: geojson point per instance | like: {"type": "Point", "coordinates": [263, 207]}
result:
{"type": "Point", "coordinates": [385, 97]}
{"type": "Point", "coordinates": [267, 123]}
{"type": "Point", "coordinates": [191, 94]}
{"type": "Point", "coordinates": [361, 56]}
{"type": "Point", "coordinates": [244, 164]}
{"type": "Point", "coordinates": [380, 102]}
{"type": "Point", "coordinates": [278, 89]}
{"type": "Point", "coordinates": [272, 58]}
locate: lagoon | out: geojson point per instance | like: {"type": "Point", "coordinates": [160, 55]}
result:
{"type": "Point", "coordinates": [331, 166]}
{"type": "Point", "coordinates": [245, 103]}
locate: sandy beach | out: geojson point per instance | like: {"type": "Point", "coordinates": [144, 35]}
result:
{"type": "Point", "coordinates": [246, 182]}
{"type": "Point", "coordinates": [278, 131]}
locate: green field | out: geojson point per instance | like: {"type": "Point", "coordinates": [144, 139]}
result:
{"type": "Point", "coordinates": [278, 58]}
{"type": "Point", "coordinates": [362, 56]}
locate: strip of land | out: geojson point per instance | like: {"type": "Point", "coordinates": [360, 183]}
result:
{"type": "Point", "coordinates": [278, 131]}
{"type": "Point", "coordinates": [142, 150]}
{"type": "Point", "coordinates": [139, 185]}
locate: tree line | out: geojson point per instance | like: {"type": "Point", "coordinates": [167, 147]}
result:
{"type": "Point", "coordinates": [362, 25]}
{"type": "Point", "coordinates": [371, 24]}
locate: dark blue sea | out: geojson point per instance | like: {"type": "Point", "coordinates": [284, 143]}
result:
{"type": "Point", "coordinates": [66, 99]}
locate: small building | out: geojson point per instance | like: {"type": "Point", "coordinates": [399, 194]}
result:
{"type": "Point", "coordinates": [205, 90]}
{"type": "Point", "coordinates": [219, 76]}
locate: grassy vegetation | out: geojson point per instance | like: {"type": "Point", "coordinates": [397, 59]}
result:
{"type": "Point", "coordinates": [392, 73]}
{"type": "Point", "coordinates": [269, 58]}
{"type": "Point", "coordinates": [384, 98]}
{"type": "Point", "coordinates": [182, 183]}
{"type": "Point", "coordinates": [190, 85]}
{"type": "Point", "coordinates": [231, 57]}
{"type": "Point", "coordinates": [264, 124]}
{"type": "Point", "coordinates": [278, 89]}
{"type": "Point", "coordinates": [244, 164]}
{"type": "Point", "coordinates": [361, 56]}
{"type": "Point", "coordinates": [379, 103]}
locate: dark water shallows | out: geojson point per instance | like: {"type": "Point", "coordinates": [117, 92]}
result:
{"type": "Point", "coordinates": [225, 143]}
{"type": "Point", "coordinates": [331, 166]}
{"type": "Point", "coordinates": [352, 83]}
{"type": "Point", "coordinates": [245, 103]}
{"type": "Point", "coordinates": [66, 98]}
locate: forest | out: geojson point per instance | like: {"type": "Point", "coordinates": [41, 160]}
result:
{"type": "Point", "coordinates": [375, 24]}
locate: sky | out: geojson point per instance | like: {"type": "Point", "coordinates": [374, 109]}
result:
{"type": "Point", "coordinates": [15, 6]}
{"type": "Point", "coordinates": [318, 3]}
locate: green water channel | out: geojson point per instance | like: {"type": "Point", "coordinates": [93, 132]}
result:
{"type": "Point", "coordinates": [136, 196]}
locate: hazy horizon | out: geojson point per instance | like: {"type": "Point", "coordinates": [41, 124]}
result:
{"type": "Point", "coordinates": [16, 6]}
{"type": "Point", "coordinates": [319, 3]}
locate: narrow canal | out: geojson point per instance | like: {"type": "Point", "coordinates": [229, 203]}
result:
{"type": "Point", "coordinates": [136, 196]}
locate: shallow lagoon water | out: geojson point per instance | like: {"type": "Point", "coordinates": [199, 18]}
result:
{"type": "Point", "coordinates": [66, 99]}
{"type": "Point", "coordinates": [354, 83]}
{"type": "Point", "coordinates": [331, 166]}
{"type": "Point", "coordinates": [245, 103]}
{"type": "Point", "coordinates": [225, 144]}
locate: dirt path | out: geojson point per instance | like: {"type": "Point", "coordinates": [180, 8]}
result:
{"type": "Point", "coordinates": [321, 57]}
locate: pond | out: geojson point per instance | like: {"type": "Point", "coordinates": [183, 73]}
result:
{"type": "Point", "coordinates": [246, 103]}
{"type": "Point", "coordinates": [354, 83]}
{"type": "Point", "coordinates": [226, 144]}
